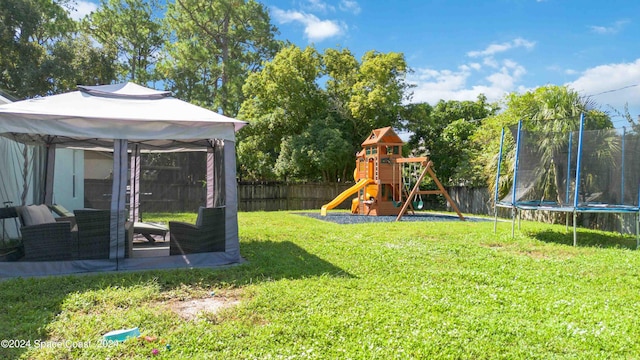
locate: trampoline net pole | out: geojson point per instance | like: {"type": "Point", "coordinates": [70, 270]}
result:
{"type": "Point", "coordinates": [496, 193]}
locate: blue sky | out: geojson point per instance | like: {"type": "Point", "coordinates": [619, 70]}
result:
{"type": "Point", "coordinates": [459, 49]}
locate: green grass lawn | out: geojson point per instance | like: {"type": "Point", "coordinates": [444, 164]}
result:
{"type": "Point", "coordinates": [318, 290]}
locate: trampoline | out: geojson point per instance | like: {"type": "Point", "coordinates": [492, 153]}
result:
{"type": "Point", "coordinates": [572, 172]}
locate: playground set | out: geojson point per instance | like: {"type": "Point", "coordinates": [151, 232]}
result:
{"type": "Point", "coordinates": [386, 182]}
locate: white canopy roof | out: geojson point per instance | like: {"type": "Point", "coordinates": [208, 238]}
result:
{"type": "Point", "coordinates": [95, 115]}
{"type": "Point", "coordinates": [115, 117]}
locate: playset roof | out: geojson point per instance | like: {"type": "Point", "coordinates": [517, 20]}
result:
{"type": "Point", "coordinates": [383, 136]}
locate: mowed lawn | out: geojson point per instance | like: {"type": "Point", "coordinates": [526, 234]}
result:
{"type": "Point", "coordinates": [317, 290]}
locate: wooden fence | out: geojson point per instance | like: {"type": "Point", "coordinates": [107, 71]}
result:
{"type": "Point", "coordinates": [273, 196]}
{"type": "Point", "coordinates": [252, 196]}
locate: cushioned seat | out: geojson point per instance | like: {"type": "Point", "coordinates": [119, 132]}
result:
{"type": "Point", "coordinates": [43, 237]}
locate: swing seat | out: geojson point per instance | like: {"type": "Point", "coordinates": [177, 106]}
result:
{"type": "Point", "coordinates": [416, 204]}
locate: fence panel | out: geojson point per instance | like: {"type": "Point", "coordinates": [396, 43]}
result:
{"type": "Point", "coordinates": [252, 196]}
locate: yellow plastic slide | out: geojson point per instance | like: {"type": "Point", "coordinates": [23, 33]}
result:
{"type": "Point", "coordinates": [344, 195]}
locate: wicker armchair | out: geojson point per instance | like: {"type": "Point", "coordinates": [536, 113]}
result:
{"type": "Point", "coordinates": [46, 242]}
{"type": "Point", "coordinates": [94, 234]}
{"type": "Point", "coordinates": [207, 235]}
{"type": "Point", "coordinates": [42, 237]}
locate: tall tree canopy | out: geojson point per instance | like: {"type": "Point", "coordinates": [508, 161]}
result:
{"type": "Point", "coordinates": [77, 60]}
{"type": "Point", "coordinates": [282, 100]}
{"type": "Point", "coordinates": [28, 31]}
{"type": "Point", "coordinates": [214, 46]}
{"type": "Point", "coordinates": [366, 94]}
{"type": "Point", "coordinates": [131, 31]}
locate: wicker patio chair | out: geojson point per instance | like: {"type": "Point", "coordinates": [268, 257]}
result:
{"type": "Point", "coordinates": [207, 235]}
{"type": "Point", "coordinates": [94, 234]}
{"type": "Point", "coordinates": [44, 238]}
{"type": "Point", "coordinates": [48, 242]}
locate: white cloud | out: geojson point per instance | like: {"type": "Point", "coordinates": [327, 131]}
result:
{"type": "Point", "coordinates": [314, 28]}
{"type": "Point", "coordinates": [490, 62]}
{"type": "Point", "coordinates": [350, 6]}
{"type": "Point", "coordinates": [492, 77]}
{"type": "Point", "coordinates": [82, 9]}
{"type": "Point", "coordinates": [499, 48]}
{"type": "Point", "coordinates": [612, 84]}
{"type": "Point", "coordinates": [507, 77]}
{"type": "Point", "coordinates": [475, 66]}
{"type": "Point", "coordinates": [560, 70]}
{"type": "Point", "coordinates": [435, 85]}
{"type": "Point", "coordinates": [317, 6]}
{"type": "Point", "coordinates": [611, 29]}
{"type": "Point", "coordinates": [442, 79]}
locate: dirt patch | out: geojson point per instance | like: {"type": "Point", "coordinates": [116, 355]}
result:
{"type": "Point", "coordinates": [534, 253]}
{"type": "Point", "coordinates": [191, 309]}
{"type": "Point", "coordinates": [493, 246]}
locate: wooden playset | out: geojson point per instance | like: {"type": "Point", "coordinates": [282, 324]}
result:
{"type": "Point", "coordinates": [386, 182]}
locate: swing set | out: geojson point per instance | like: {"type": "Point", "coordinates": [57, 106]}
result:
{"type": "Point", "coordinates": [403, 188]}
{"type": "Point", "coordinates": [414, 193]}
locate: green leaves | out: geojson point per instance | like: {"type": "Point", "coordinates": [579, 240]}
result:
{"type": "Point", "coordinates": [28, 31]}
{"type": "Point", "coordinates": [133, 31]}
{"type": "Point", "coordinates": [444, 132]}
{"type": "Point", "coordinates": [311, 111]}
{"type": "Point", "coordinates": [214, 46]}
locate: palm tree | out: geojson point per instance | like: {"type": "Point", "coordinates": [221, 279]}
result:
{"type": "Point", "coordinates": [549, 114]}
{"type": "Point", "coordinates": [553, 116]}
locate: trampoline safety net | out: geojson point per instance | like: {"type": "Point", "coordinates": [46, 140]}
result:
{"type": "Point", "coordinates": [604, 165]}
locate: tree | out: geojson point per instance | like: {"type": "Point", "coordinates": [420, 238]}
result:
{"type": "Point", "coordinates": [131, 30]}
{"type": "Point", "coordinates": [368, 94]}
{"type": "Point", "coordinates": [28, 30]}
{"type": "Point", "coordinates": [76, 60]}
{"type": "Point", "coordinates": [312, 132]}
{"type": "Point", "coordinates": [444, 131]}
{"type": "Point", "coordinates": [318, 153]}
{"type": "Point", "coordinates": [282, 99]}
{"type": "Point", "coordinates": [214, 46]}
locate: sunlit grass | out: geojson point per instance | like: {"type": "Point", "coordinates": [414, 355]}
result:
{"type": "Point", "coordinates": [312, 289]}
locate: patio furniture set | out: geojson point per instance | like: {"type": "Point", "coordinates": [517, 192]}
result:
{"type": "Point", "coordinates": [85, 234]}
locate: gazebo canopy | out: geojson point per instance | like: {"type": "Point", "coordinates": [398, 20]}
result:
{"type": "Point", "coordinates": [122, 118]}
{"type": "Point", "coordinates": [94, 116]}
